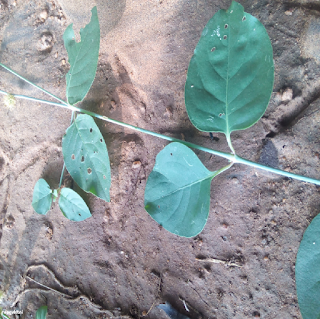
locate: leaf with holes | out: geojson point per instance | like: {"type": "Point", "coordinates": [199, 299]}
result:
{"type": "Point", "coordinates": [177, 193]}
{"type": "Point", "coordinates": [42, 197]}
{"type": "Point", "coordinates": [230, 76]}
{"type": "Point", "coordinates": [42, 312]}
{"type": "Point", "coordinates": [308, 271]}
{"type": "Point", "coordinates": [86, 157]}
{"type": "Point", "coordinates": [83, 58]}
{"type": "Point", "coordinates": [73, 206]}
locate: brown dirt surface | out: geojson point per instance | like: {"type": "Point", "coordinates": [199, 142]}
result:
{"type": "Point", "coordinates": [120, 263]}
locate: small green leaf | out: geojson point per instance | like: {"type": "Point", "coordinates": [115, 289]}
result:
{"type": "Point", "coordinates": [177, 193]}
{"type": "Point", "coordinates": [86, 157]}
{"type": "Point", "coordinates": [42, 312]}
{"type": "Point", "coordinates": [230, 76]}
{"type": "Point", "coordinates": [42, 197]}
{"type": "Point", "coordinates": [83, 58]}
{"type": "Point", "coordinates": [308, 271]}
{"type": "Point", "coordinates": [73, 206]}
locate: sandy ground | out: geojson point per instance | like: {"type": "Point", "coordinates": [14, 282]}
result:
{"type": "Point", "coordinates": [120, 263]}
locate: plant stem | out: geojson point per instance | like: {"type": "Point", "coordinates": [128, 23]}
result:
{"type": "Point", "coordinates": [36, 86]}
{"type": "Point", "coordinates": [241, 160]}
{"type": "Point", "coordinates": [73, 108]}
{"type": "Point", "coordinates": [231, 157]}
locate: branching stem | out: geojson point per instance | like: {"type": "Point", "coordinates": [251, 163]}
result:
{"type": "Point", "coordinates": [233, 158]}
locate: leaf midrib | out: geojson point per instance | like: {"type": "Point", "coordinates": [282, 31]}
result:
{"type": "Point", "coordinates": [212, 175]}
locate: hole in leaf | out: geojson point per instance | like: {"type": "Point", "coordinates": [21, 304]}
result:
{"type": "Point", "coordinates": [90, 130]}
{"type": "Point", "coordinates": [82, 158]}
{"type": "Point", "coordinates": [213, 49]}
{"type": "Point", "coordinates": [104, 176]}
{"type": "Point", "coordinates": [220, 114]}
{"type": "Point", "coordinates": [73, 157]}
{"type": "Point", "coordinates": [225, 26]}
{"type": "Point", "coordinates": [244, 19]}
{"type": "Point", "coordinates": [89, 170]}
{"type": "Point", "coordinates": [224, 37]}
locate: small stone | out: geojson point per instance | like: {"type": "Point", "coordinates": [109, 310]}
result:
{"type": "Point", "coordinates": [63, 61]}
{"type": "Point", "coordinates": [113, 104]}
{"type": "Point", "coordinates": [136, 164]}
{"type": "Point", "coordinates": [168, 112]}
{"type": "Point", "coordinates": [288, 13]}
{"type": "Point", "coordinates": [43, 15]}
{"type": "Point", "coordinates": [287, 95]}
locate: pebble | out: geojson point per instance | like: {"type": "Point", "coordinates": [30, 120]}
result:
{"type": "Point", "coordinates": [287, 95]}
{"type": "Point", "coordinates": [136, 164]}
{"type": "Point", "coordinates": [43, 15]}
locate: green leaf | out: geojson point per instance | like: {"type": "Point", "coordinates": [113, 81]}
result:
{"type": "Point", "coordinates": [308, 271]}
{"type": "Point", "coordinates": [177, 193]}
{"type": "Point", "coordinates": [42, 312]}
{"type": "Point", "coordinates": [83, 58]}
{"type": "Point", "coordinates": [73, 206]}
{"type": "Point", "coordinates": [86, 157]}
{"type": "Point", "coordinates": [230, 76]}
{"type": "Point", "coordinates": [42, 197]}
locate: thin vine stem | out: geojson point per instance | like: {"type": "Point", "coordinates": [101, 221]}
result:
{"type": "Point", "coordinates": [233, 158]}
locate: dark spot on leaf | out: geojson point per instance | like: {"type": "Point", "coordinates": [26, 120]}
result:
{"type": "Point", "coordinates": [79, 214]}
{"type": "Point", "coordinates": [225, 26]}
{"type": "Point", "coordinates": [82, 158]}
{"type": "Point", "coordinates": [101, 140]}
{"type": "Point", "coordinates": [73, 157]}
{"type": "Point", "coordinates": [104, 176]}
{"type": "Point", "coordinates": [225, 37]}
{"type": "Point", "coordinates": [158, 206]}
{"type": "Point", "coordinates": [89, 170]}
{"type": "Point", "coordinates": [171, 154]}
{"type": "Point", "coordinates": [220, 114]}
{"type": "Point", "coordinates": [213, 49]}
{"type": "Point", "coordinates": [244, 18]}
{"type": "Point", "coordinates": [90, 130]}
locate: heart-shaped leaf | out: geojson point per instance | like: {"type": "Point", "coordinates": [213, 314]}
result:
{"type": "Point", "coordinates": [83, 58]}
{"type": "Point", "coordinates": [308, 271]}
{"type": "Point", "coordinates": [42, 312]}
{"type": "Point", "coordinates": [86, 157]}
{"type": "Point", "coordinates": [177, 193]}
{"type": "Point", "coordinates": [230, 76]}
{"type": "Point", "coordinates": [42, 197]}
{"type": "Point", "coordinates": [73, 206]}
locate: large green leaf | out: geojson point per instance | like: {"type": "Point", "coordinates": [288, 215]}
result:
{"type": "Point", "coordinates": [42, 312]}
{"type": "Point", "coordinates": [177, 193]}
{"type": "Point", "coordinates": [73, 206]}
{"type": "Point", "coordinates": [308, 271]}
{"type": "Point", "coordinates": [83, 58]}
{"type": "Point", "coordinates": [86, 156]}
{"type": "Point", "coordinates": [230, 76]}
{"type": "Point", "coordinates": [42, 197]}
